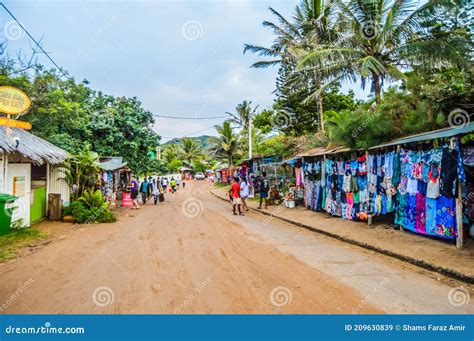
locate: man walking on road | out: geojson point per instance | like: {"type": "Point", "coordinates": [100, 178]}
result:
{"type": "Point", "coordinates": [234, 192]}
{"type": "Point", "coordinates": [244, 193]}
{"type": "Point", "coordinates": [173, 185]}
{"type": "Point", "coordinates": [144, 189]}
{"type": "Point", "coordinates": [155, 190]}
{"type": "Point", "coordinates": [164, 183]}
{"type": "Point", "coordinates": [264, 188]}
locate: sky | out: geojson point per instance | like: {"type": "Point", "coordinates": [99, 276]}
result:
{"type": "Point", "coordinates": [180, 58]}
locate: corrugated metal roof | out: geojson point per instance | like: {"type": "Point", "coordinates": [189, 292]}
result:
{"type": "Point", "coordinates": [32, 147]}
{"type": "Point", "coordinates": [112, 163]}
{"type": "Point", "coordinates": [431, 135]}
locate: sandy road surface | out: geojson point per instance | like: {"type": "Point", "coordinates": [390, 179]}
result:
{"type": "Point", "coordinates": [191, 255]}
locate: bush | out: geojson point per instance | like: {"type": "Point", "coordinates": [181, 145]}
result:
{"type": "Point", "coordinates": [83, 214]}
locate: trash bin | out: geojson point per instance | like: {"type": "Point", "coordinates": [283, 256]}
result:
{"type": "Point", "coordinates": [6, 213]}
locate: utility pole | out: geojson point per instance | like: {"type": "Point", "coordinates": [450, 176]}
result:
{"type": "Point", "coordinates": [250, 136]}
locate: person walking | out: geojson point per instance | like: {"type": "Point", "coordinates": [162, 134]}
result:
{"type": "Point", "coordinates": [155, 185]}
{"type": "Point", "coordinates": [178, 179]}
{"type": "Point", "coordinates": [264, 185]}
{"type": "Point", "coordinates": [133, 187]}
{"type": "Point", "coordinates": [173, 184]}
{"type": "Point", "coordinates": [144, 188]}
{"type": "Point", "coordinates": [234, 193]}
{"type": "Point", "coordinates": [164, 183]}
{"type": "Point", "coordinates": [244, 193]}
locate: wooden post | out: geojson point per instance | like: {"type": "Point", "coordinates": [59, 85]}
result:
{"type": "Point", "coordinates": [48, 184]}
{"type": "Point", "coordinates": [369, 216]}
{"type": "Point", "coordinates": [398, 151]}
{"type": "Point", "coordinates": [54, 203]}
{"type": "Point", "coordinates": [459, 225]}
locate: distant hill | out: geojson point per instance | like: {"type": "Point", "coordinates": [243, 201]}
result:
{"type": "Point", "coordinates": [203, 140]}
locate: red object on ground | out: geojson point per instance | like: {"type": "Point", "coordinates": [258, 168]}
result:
{"type": "Point", "coordinates": [127, 200]}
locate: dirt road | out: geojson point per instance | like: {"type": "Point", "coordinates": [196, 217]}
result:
{"type": "Point", "coordinates": [191, 255]}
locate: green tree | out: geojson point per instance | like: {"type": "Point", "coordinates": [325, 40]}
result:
{"type": "Point", "coordinates": [175, 165]}
{"type": "Point", "coordinates": [243, 113]}
{"type": "Point", "coordinates": [384, 38]}
{"type": "Point", "coordinates": [190, 150]}
{"type": "Point", "coordinates": [226, 145]}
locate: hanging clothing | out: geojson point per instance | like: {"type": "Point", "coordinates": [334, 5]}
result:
{"type": "Point", "coordinates": [446, 218]}
{"type": "Point", "coordinates": [449, 173]}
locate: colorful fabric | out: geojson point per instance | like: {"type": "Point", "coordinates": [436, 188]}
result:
{"type": "Point", "coordinates": [446, 218]}
{"type": "Point", "coordinates": [400, 213]}
{"type": "Point", "coordinates": [420, 213]}
{"type": "Point", "coordinates": [430, 216]}
{"type": "Point", "coordinates": [410, 221]}
{"type": "Point", "coordinates": [449, 173]}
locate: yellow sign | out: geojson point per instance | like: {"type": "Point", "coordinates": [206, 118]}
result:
{"type": "Point", "coordinates": [13, 101]}
{"type": "Point", "coordinates": [4, 121]}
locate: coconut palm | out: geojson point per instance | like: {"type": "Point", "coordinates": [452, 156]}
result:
{"type": "Point", "coordinates": [226, 145]}
{"type": "Point", "coordinates": [189, 150]}
{"type": "Point", "coordinates": [244, 112]}
{"type": "Point", "coordinates": [311, 28]}
{"type": "Point", "coordinates": [385, 38]}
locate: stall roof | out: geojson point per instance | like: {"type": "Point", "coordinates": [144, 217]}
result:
{"type": "Point", "coordinates": [32, 147]}
{"type": "Point", "coordinates": [431, 135]}
{"type": "Point", "coordinates": [111, 163]}
{"type": "Point", "coordinates": [316, 152]}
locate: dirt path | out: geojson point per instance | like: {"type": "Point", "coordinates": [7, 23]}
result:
{"type": "Point", "coordinates": [177, 257]}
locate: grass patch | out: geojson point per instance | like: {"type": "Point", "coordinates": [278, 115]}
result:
{"type": "Point", "coordinates": [16, 239]}
{"type": "Point", "coordinates": [221, 185]}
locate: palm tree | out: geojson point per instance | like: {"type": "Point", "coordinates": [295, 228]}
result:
{"type": "Point", "coordinates": [243, 114]}
{"type": "Point", "coordinates": [171, 152]}
{"type": "Point", "coordinates": [226, 145]}
{"type": "Point", "coordinates": [385, 38]}
{"type": "Point", "coordinates": [80, 172]}
{"type": "Point", "coordinates": [310, 29]}
{"type": "Point", "coordinates": [190, 150]}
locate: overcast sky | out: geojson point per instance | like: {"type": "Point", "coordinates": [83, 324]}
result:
{"type": "Point", "coordinates": [181, 58]}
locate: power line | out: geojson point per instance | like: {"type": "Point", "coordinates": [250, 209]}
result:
{"type": "Point", "coordinates": [34, 40]}
{"type": "Point", "coordinates": [190, 118]}
{"type": "Point", "coordinates": [196, 132]}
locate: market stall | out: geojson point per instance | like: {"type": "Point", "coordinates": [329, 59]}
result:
{"type": "Point", "coordinates": [115, 177]}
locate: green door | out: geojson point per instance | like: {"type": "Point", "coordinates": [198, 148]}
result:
{"type": "Point", "coordinates": [38, 209]}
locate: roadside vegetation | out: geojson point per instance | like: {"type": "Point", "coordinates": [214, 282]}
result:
{"type": "Point", "coordinates": [18, 238]}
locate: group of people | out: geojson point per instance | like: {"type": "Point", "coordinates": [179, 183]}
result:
{"type": "Point", "coordinates": [240, 191]}
{"type": "Point", "coordinates": [155, 187]}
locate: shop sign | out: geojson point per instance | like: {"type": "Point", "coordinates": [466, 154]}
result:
{"type": "Point", "coordinates": [13, 101]}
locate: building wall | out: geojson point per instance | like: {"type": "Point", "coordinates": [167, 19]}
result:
{"type": "Point", "coordinates": [57, 185]}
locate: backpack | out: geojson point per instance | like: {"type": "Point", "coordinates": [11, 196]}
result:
{"type": "Point", "coordinates": [265, 185]}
